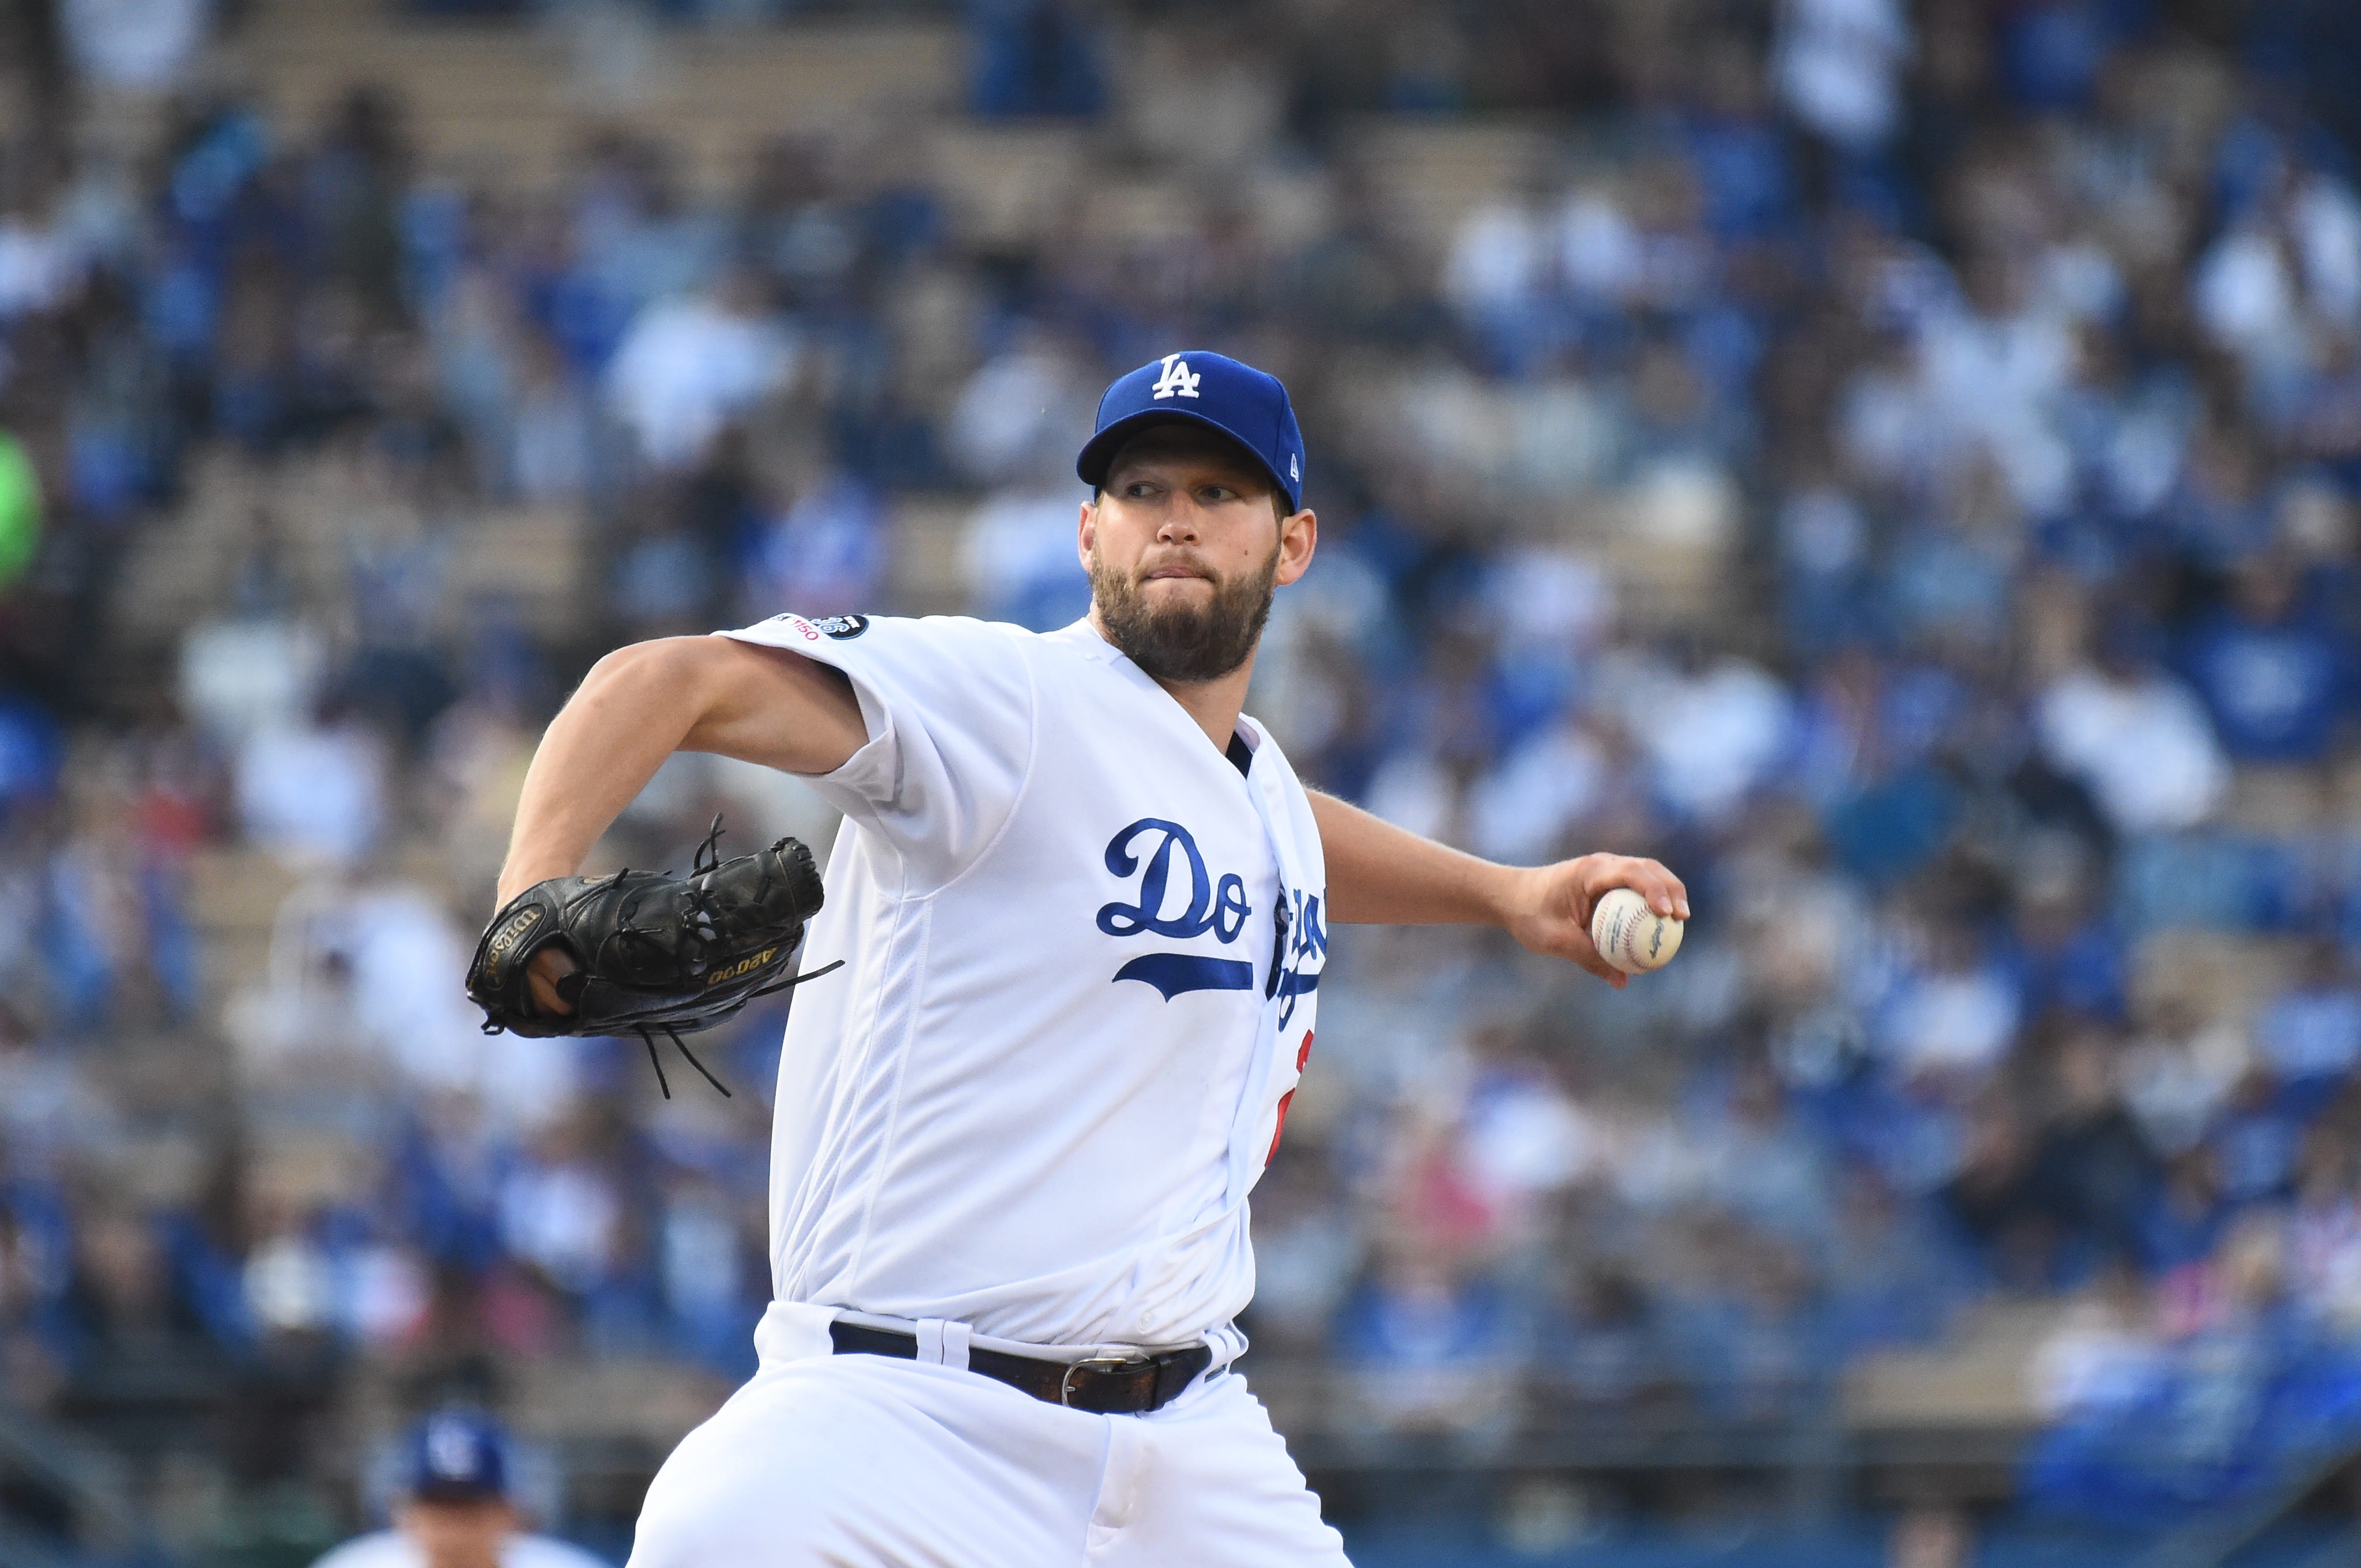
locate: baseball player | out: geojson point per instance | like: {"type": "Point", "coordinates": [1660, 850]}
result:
{"type": "Point", "coordinates": [453, 1509]}
{"type": "Point", "coordinates": [1082, 904]}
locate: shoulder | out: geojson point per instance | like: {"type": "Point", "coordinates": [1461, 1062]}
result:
{"type": "Point", "coordinates": [547, 1552]}
{"type": "Point", "coordinates": [856, 637]}
{"type": "Point", "coordinates": [383, 1550]}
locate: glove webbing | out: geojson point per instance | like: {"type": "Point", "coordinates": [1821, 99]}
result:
{"type": "Point", "coordinates": [708, 857]}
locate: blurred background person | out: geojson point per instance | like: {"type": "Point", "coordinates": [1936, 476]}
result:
{"type": "Point", "coordinates": [455, 1506]}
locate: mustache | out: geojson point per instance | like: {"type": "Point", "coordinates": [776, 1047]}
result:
{"type": "Point", "coordinates": [1181, 566]}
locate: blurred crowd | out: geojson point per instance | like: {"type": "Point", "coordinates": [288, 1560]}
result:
{"type": "Point", "coordinates": [1897, 464]}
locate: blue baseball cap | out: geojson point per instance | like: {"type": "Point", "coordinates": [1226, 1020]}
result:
{"type": "Point", "coordinates": [1247, 405]}
{"type": "Point", "coordinates": [456, 1457]}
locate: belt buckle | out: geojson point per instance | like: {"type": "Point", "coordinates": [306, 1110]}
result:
{"type": "Point", "coordinates": [1095, 1363]}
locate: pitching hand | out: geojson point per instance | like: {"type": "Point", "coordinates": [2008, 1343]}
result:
{"type": "Point", "coordinates": [541, 977]}
{"type": "Point", "coordinates": [1549, 909]}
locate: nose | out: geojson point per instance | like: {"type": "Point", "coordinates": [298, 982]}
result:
{"type": "Point", "coordinates": [1180, 523]}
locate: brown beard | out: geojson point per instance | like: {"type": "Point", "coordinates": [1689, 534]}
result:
{"type": "Point", "coordinates": [1178, 643]}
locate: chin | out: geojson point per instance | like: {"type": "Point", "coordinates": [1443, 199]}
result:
{"type": "Point", "coordinates": [1165, 590]}
{"type": "Point", "coordinates": [1178, 607]}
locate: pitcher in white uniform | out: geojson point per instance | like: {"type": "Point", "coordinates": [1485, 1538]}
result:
{"type": "Point", "coordinates": [1083, 904]}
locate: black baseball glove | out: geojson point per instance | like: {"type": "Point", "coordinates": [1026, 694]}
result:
{"type": "Point", "coordinates": [652, 953]}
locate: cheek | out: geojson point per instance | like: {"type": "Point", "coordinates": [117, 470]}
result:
{"type": "Point", "coordinates": [1120, 540]}
{"type": "Point", "coordinates": [1244, 550]}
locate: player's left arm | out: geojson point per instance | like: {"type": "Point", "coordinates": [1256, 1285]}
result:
{"type": "Point", "coordinates": [1380, 874]}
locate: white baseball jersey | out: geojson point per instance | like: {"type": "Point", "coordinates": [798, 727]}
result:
{"type": "Point", "coordinates": [1081, 951]}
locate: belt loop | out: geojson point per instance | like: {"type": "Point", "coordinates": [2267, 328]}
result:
{"type": "Point", "coordinates": [930, 1341]}
{"type": "Point", "coordinates": [955, 1338]}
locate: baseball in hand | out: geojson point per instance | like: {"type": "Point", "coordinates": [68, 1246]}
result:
{"type": "Point", "coordinates": [1629, 935]}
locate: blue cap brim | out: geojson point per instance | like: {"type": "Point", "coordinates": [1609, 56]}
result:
{"type": "Point", "coordinates": [1098, 454]}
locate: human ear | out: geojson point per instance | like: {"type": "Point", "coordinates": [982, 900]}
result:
{"type": "Point", "coordinates": [1298, 536]}
{"type": "Point", "coordinates": [1086, 531]}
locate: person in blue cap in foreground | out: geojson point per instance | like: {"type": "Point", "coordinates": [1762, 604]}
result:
{"type": "Point", "coordinates": [454, 1508]}
{"type": "Point", "coordinates": [1082, 904]}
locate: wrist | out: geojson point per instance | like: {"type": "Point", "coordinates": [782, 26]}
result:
{"type": "Point", "coordinates": [1504, 895]}
{"type": "Point", "coordinates": [521, 874]}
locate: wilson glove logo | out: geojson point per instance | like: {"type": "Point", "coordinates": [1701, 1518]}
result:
{"type": "Point", "coordinates": [505, 939]}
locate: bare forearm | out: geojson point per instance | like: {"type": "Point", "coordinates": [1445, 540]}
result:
{"type": "Point", "coordinates": [597, 754]}
{"type": "Point", "coordinates": [1380, 874]}
{"type": "Point", "coordinates": [640, 704]}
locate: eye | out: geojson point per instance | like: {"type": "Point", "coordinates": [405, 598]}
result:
{"type": "Point", "coordinates": [1215, 494]}
{"type": "Point", "coordinates": [1139, 489]}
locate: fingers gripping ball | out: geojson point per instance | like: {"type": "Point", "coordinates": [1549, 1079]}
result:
{"type": "Point", "coordinates": [1631, 936]}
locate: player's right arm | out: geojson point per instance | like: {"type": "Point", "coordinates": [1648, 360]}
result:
{"type": "Point", "coordinates": [641, 704]}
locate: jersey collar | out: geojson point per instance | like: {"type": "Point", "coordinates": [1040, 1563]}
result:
{"type": "Point", "coordinates": [1087, 639]}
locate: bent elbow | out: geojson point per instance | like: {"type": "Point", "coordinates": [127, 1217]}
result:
{"type": "Point", "coordinates": [669, 671]}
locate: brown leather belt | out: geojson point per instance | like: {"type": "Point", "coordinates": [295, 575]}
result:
{"type": "Point", "coordinates": [1107, 1385]}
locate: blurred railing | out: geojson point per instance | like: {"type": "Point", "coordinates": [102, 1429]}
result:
{"type": "Point", "coordinates": [64, 1499]}
{"type": "Point", "coordinates": [2221, 1539]}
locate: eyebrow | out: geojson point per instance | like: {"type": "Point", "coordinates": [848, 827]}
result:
{"type": "Point", "coordinates": [1235, 478]}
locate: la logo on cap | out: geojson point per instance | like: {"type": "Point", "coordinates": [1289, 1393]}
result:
{"type": "Point", "coordinates": [1177, 379]}
{"type": "Point", "coordinates": [451, 1448]}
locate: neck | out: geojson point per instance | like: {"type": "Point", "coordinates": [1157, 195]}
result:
{"type": "Point", "coordinates": [1215, 705]}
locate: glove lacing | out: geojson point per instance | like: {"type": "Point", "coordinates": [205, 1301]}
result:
{"type": "Point", "coordinates": [708, 857]}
